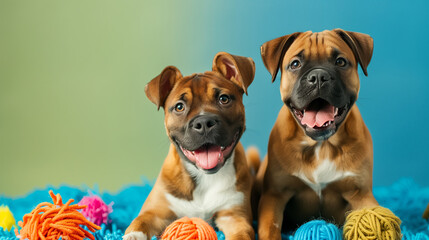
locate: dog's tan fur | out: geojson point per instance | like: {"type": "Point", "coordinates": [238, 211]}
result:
{"type": "Point", "coordinates": [231, 75]}
{"type": "Point", "coordinates": [286, 200]}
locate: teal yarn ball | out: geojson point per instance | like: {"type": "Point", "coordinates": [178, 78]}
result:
{"type": "Point", "coordinates": [318, 229]}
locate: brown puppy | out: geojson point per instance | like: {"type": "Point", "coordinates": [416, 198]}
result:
{"type": "Point", "coordinates": [426, 213]}
{"type": "Point", "coordinates": [205, 173]}
{"type": "Point", "coordinates": [320, 158]}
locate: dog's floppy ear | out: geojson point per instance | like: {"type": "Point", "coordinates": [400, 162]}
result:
{"type": "Point", "coordinates": [238, 69]}
{"type": "Point", "coordinates": [361, 44]}
{"type": "Point", "coordinates": [272, 52]}
{"type": "Point", "coordinates": [158, 89]}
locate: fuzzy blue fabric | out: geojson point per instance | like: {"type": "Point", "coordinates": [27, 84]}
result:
{"type": "Point", "coordinates": [405, 198]}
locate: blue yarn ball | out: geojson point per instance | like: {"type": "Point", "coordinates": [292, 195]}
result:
{"type": "Point", "coordinates": [318, 229]}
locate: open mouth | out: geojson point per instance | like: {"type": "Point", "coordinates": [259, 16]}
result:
{"type": "Point", "coordinates": [320, 114]}
{"type": "Point", "coordinates": [209, 156]}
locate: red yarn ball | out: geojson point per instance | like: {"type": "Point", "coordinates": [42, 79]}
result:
{"type": "Point", "coordinates": [190, 229]}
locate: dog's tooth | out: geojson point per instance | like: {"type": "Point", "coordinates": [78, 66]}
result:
{"type": "Point", "coordinates": [336, 111]}
{"type": "Point", "coordinates": [222, 148]}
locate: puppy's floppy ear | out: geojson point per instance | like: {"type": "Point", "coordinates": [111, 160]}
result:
{"type": "Point", "coordinates": [158, 89]}
{"type": "Point", "coordinates": [272, 52]}
{"type": "Point", "coordinates": [238, 69]}
{"type": "Point", "coordinates": [361, 44]}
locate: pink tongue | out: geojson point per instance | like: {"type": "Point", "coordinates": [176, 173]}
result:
{"type": "Point", "coordinates": [314, 118]}
{"type": "Point", "coordinates": [208, 157]}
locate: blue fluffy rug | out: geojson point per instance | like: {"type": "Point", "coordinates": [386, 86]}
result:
{"type": "Point", "coordinates": [405, 198]}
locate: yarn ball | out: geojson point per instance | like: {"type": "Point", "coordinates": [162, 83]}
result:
{"type": "Point", "coordinates": [54, 221]}
{"type": "Point", "coordinates": [317, 229]}
{"type": "Point", "coordinates": [96, 210]}
{"type": "Point", "coordinates": [7, 221]}
{"type": "Point", "coordinates": [189, 229]}
{"type": "Point", "coordinates": [372, 223]}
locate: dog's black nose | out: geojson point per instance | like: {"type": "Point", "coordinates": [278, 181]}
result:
{"type": "Point", "coordinates": [203, 124]}
{"type": "Point", "coordinates": [318, 76]}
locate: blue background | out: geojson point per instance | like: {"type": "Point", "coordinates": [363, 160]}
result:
{"type": "Point", "coordinates": [393, 98]}
{"type": "Point", "coordinates": [72, 77]}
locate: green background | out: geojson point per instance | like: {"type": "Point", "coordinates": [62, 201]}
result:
{"type": "Point", "coordinates": [72, 101]}
{"type": "Point", "coordinates": [72, 77]}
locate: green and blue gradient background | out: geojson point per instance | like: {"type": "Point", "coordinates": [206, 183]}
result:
{"type": "Point", "coordinates": [72, 77]}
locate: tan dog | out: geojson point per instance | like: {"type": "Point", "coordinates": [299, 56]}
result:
{"type": "Point", "coordinates": [320, 158]}
{"type": "Point", "coordinates": [205, 173]}
{"type": "Point", "coordinates": [426, 213]}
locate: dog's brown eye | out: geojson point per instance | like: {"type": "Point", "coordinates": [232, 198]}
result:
{"type": "Point", "coordinates": [224, 99]}
{"type": "Point", "coordinates": [340, 62]}
{"type": "Point", "coordinates": [295, 64]}
{"type": "Point", "coordinates": [180, 107]}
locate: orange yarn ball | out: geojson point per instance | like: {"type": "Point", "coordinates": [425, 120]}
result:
{"type": "Point", "coordinates": [189, 229]}
{"type": "Point", "coordinates": [51, 221]}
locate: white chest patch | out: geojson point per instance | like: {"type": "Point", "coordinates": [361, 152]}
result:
{"type": "Point", "coordinates": [213, 192]}
{"type": "Point", "coordinates": [325, 173]}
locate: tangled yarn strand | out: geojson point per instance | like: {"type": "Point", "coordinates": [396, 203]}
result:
{"type": "Point", "coordinates": [52, 221]}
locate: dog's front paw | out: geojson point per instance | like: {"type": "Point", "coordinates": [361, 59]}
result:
{"type": "Point", "coordinates": [135, 236]}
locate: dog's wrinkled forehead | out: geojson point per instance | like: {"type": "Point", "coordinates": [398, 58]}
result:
{"type": "Point", "coordinates": [318, 46]}
{"type": "Point", "coordinates": [200, 90]}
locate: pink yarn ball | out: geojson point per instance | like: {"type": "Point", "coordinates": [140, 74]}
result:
{"type": "Point", "coordinates": [96, 211]}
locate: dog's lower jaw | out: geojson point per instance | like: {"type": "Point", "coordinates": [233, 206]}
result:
{"type": "Point", "coordinates": [135, 236]}
{"type": "Point", "coordinates": [321, 137]}
{"type": "Point", "coordinates": [195, 171]}
{"type": "Point", "coordinates": [230, 151]}
{"type": "Point", "coordinates": [318, 132]}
